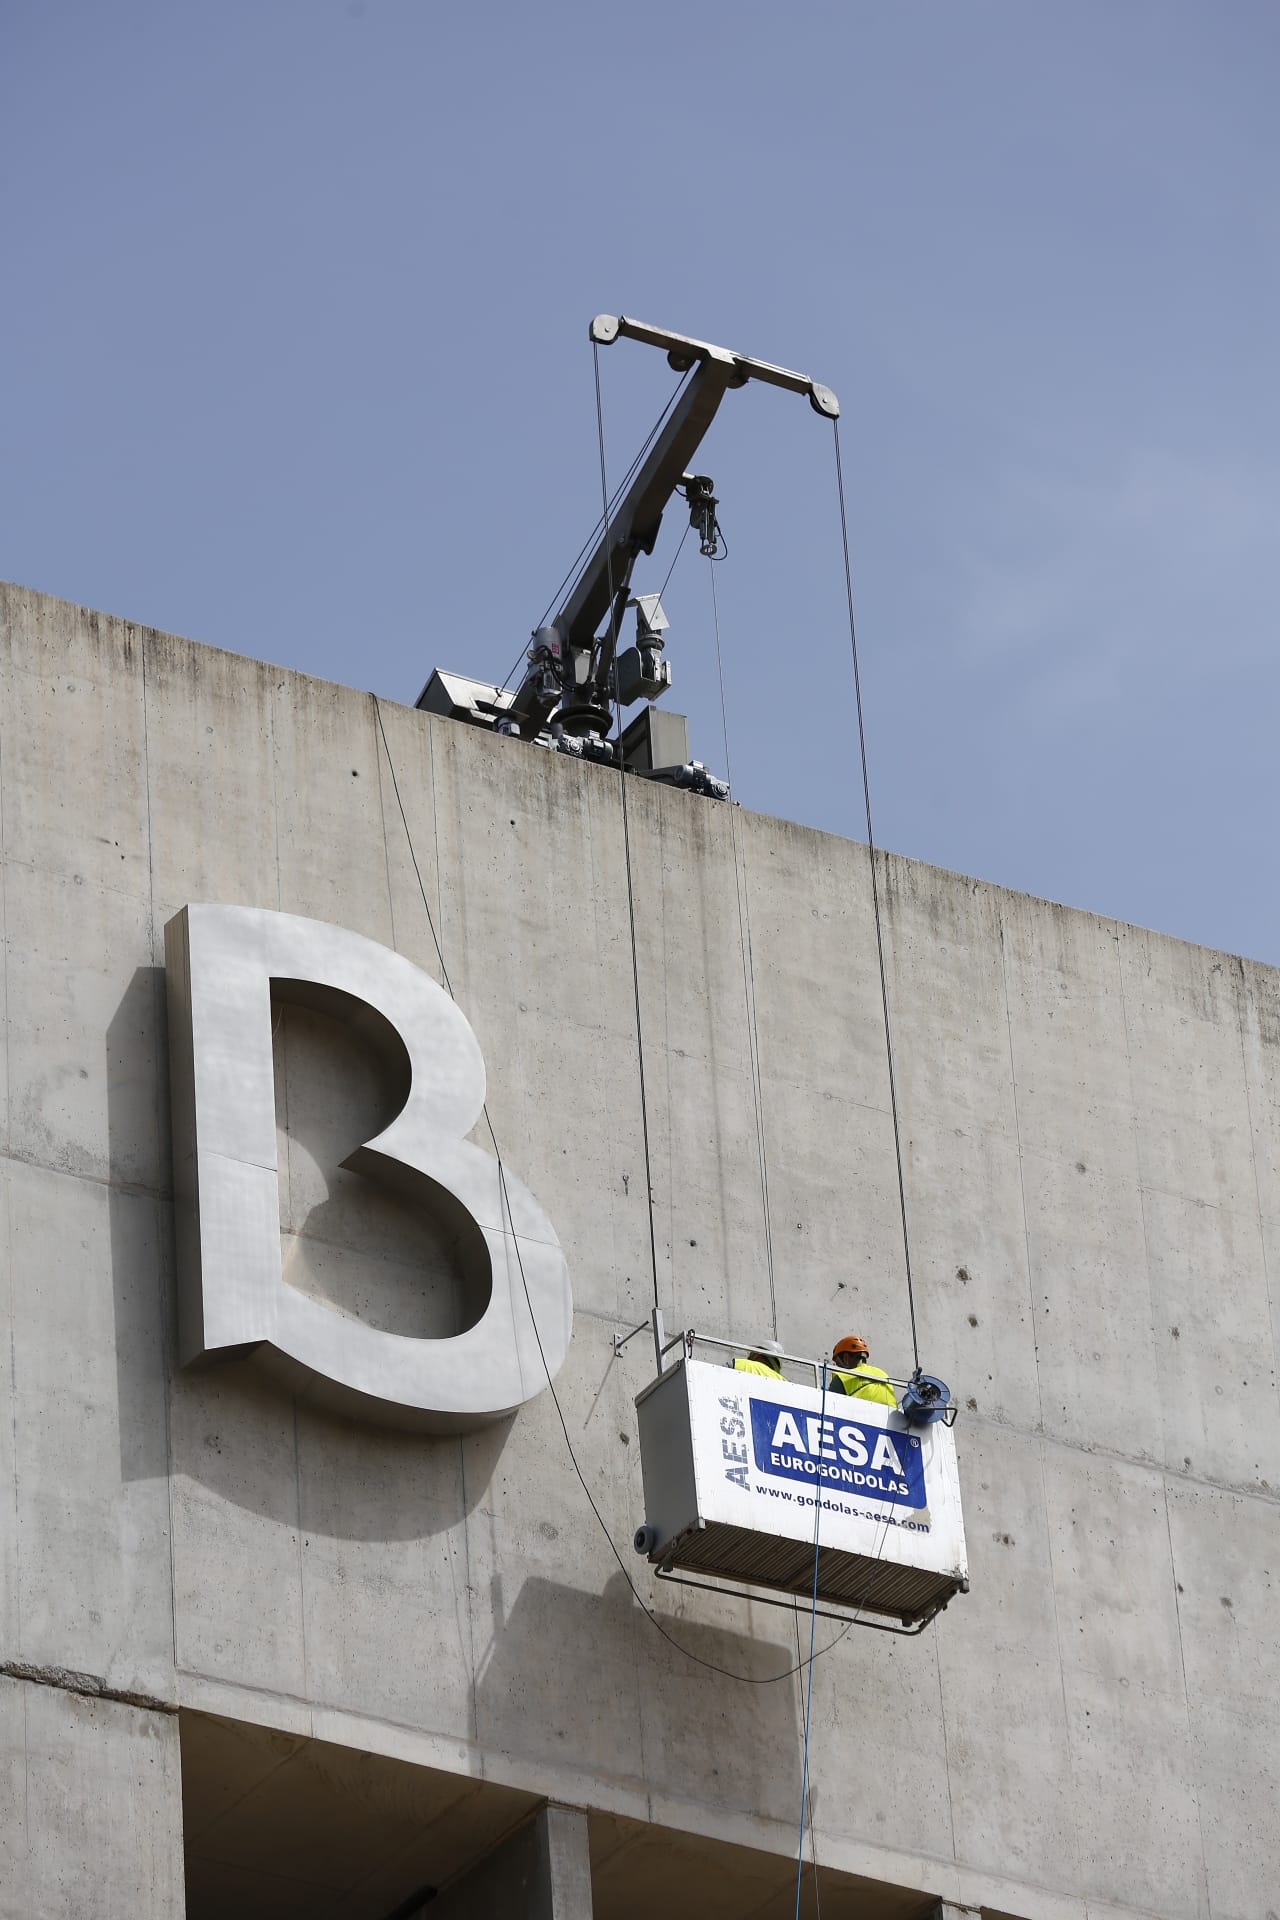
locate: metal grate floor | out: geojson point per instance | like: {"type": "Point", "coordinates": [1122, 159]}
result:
{"type": "Point", "coordinates": [786, 1566]}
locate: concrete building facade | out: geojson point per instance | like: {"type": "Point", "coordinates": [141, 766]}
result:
{"type": "Point", "coordinates": [264, 1660]}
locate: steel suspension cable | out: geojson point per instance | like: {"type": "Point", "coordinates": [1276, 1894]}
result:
{"type": "Point", "coordinates": [875, 897]}
{"type": "Point", "coordinates": [805, 1810]}
{"type": "Point", "coordinates": [602, 522]}
{"type": "Point", "coordinates": [626, 828]}
{"type": "Point", "coordinates": [748, 971]}
{"type": "Point", "coordinates": [671, 569]}
{"type": "Point", "coordinates": [813, 1842]}
{"type": "Point", "coordinates": [753, 1047]}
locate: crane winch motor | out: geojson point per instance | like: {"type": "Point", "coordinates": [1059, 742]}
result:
{"type": "Point", "coordinates": [575, 674]}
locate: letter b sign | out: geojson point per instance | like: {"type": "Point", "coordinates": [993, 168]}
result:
{"type": "Point", "coordinates": [222, 963]}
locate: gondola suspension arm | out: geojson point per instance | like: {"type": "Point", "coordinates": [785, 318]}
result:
{"type": "Point", "coordinates": [573, 673]}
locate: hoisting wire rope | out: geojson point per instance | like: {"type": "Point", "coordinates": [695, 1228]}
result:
{"type": "Point", "coordinates": [748, 969]}
{"type": "Point", "coordinates": [713, 1666]}
{"type": "Point", "coordinates": [626, 829]}
{"type": "Point", "coordinates": [805, 1688]}
{"type": "Point", "coordinates": [875, 897]}
{"type": "Point", "coordinates": [671, 569]}
{"type": "Point", "coordinates": [805, 1680]}
{"type": "Point", "coordinates": [602, 520]}
{"type": "Point", "coordinates": [813, 1841]}
{"type": "Point", "coordinates": [806, 1683]}
{"type": "Point", "coordinates": [805, 1813]}
{"type": "Point", "coordinates": [757, 1095]}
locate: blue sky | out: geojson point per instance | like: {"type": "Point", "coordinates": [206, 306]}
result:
{"type": "Point", "coordinates": [295, 312]}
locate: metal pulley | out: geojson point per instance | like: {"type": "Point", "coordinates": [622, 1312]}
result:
{"type": "Point", "coordinates": [698, 490]}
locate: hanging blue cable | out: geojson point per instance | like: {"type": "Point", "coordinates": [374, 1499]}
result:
{"type": "Point", "coordinates": [808, 1694]}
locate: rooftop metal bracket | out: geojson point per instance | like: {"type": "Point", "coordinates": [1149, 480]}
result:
{"type": "Point", "coordinates": [661, 1345]}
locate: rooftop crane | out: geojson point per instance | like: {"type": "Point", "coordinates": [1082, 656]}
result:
{"type": "Point", "coordinates": [574, 673]}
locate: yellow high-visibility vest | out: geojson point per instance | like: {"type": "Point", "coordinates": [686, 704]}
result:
{"type": "Point", "coordinates": [868, 1383]}
{"type": "Point", "coordinates": [757, 1366]}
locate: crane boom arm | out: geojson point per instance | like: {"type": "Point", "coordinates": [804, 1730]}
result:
{"type": "Point", "coordinates": [633, 529]}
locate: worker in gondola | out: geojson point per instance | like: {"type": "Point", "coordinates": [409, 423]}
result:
{"type": "Point", "coordinates": [762, 1359]}
{"type": "Point", "coordinates": [854, 1375]}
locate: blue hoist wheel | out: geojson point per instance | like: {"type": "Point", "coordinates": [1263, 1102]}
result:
{"type": "Point", "coordinates": [925, 1399]}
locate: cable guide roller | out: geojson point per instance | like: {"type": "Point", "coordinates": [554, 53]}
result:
{"type": "Point", "coordinates": [735, 1464]}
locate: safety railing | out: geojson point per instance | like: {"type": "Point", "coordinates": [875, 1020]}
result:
{"type": "Point", "coordinates": [811, 1371]}
{"type": "Point", "coordinates": [924, 1397]}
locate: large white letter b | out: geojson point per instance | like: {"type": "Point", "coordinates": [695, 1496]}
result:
{"type": "Point", "coordinates": [222, 964]}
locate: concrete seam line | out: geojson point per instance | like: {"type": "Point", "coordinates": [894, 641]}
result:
{"type": "Point", "coordinates": [67, 1680]}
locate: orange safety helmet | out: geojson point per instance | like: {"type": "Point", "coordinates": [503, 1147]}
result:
{"type": "Point", "coordinates": [851, 1347]}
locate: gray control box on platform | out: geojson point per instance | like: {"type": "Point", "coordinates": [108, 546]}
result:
{"type": "Point", "coordinates": [656, 738]}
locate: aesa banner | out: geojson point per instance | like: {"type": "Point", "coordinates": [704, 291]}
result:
{"type": "Point", "coordinates": [793, 1443]}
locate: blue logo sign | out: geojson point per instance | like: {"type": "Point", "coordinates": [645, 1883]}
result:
{"type": "Point", "coordinates": [790, 1443]}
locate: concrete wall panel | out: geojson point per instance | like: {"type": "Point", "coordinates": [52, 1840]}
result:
{"type": "Point", "coordinates": [210, 774]}
{"type": "Point", "coordinates": [532, 885]}
{"type": "Point", "coordinates": [1094, 1341]}
{"type": "Point", "coordinates": [1212, 1330]}
{"type": "Point", "coordinates": [90, 1808]}
{"type": "Point", "coordinates": [385, 1562]}
{"type": "Point", "coordinates": [332, 830]}
{"type": "Point", "coordinates": [89, 1280]}
{"type": "Point", "coordinates": [1010, 1558]}
{"type": "Point", "coordinates": [946, 969]}
{"type": "Point", "coordinates": [1226, 1562]}
{"type": "Point", "coordinates": [589, 1152]}
{"type": "Point", "coordinates": [13, 1796]}
{"type": "Point", "coordinates": [237, 1541]}
{"type": "Point", "coordinates": [710, 1191]}
{"type": "Point", "coordinates": [691, 929]}
{"type": "Point", "coordinates": [968, 1227]}
{"type": "Point", "coordinates": [1113, 1571]}
{"type": "Point", "coordinates": [872, 1697]}
{"type": "Point", "coordinates": [1259, 996]}
{"type": "Point", "coordinates": [1068, 1040]}
{"type": "Point", "coordinates": [1133, 1790]}
{"type": "Point", "coordinates": [1003, 1713]}
{"type": "Point", "coordinates": [540, 1574]}
{"type": "Point", "coordinates": [9, 1609]}
{"type": "Point", "coordinates": [717, 1728]}
{"type": "Point", "coordinates": [814, 962]}
{"type": "Point", "coordinates": [86, 1041]}
{"type": "Point", "coordinates": [837, 1233]}
{"type": "Point", "coordinates": [1013, 1805]}
{"type": "Point", "coordinates": [1236, 1750]}
{"type": "Point", "coordinates": [1183, 1024]}
{"type": "Point", "coordinates": [75, 722]}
